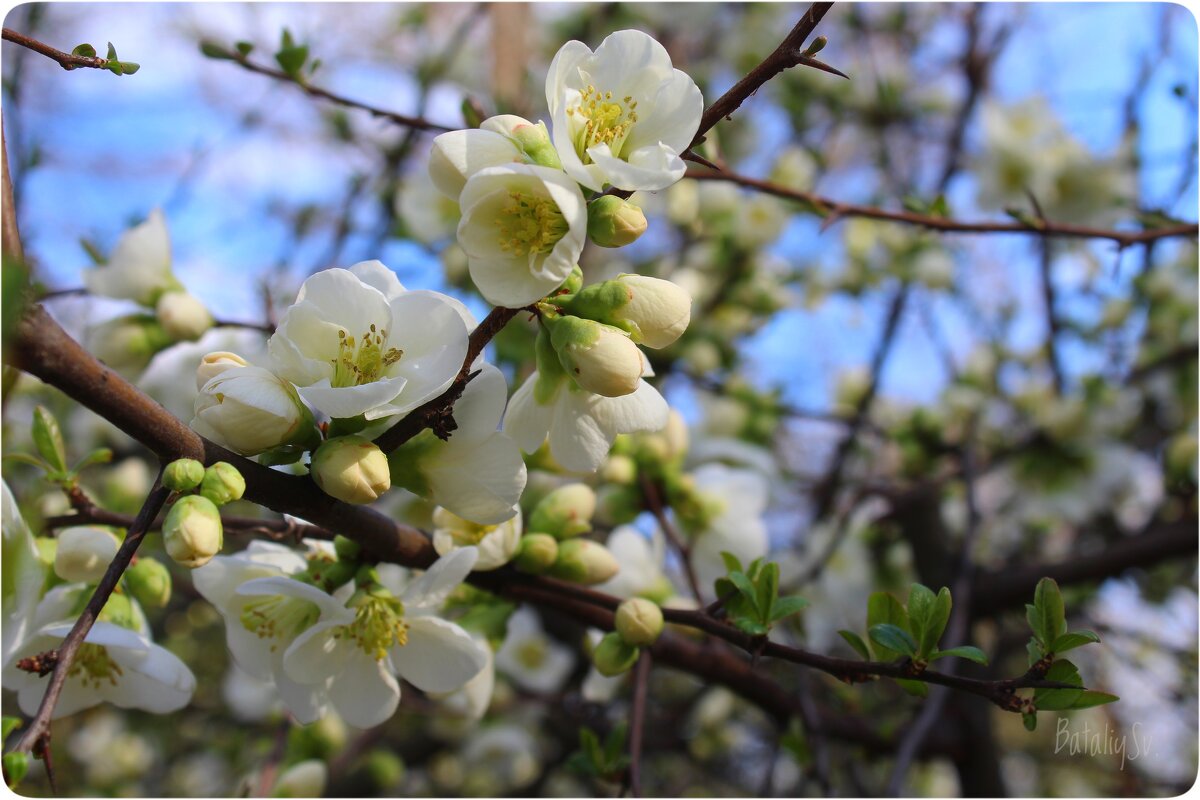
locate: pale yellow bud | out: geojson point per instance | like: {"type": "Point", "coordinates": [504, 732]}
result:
{"type": "Point", "coordinates": [352, 469]}
{"type": "Point", "coordinates": [183, 316]}
{"type": "Point", "coordinates": [639, 621]}
{"type": "Point", "coordinates": [214, 364]}
{"type": "Point", "coordinates": [84, 553]}
{"type": "Point", "coordinates": [192, 532]}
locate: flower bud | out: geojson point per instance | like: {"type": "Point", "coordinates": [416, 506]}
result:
{"type": "Point", "coordinates": [84, 553]}
{"type": "Point", "coordinates": [183, 475]}
{"type": "Point", "coordinates": [532, 138]}
{"type": "Point", "coordinates": [565, 512]}
{"type": "Point", "coordinates": [614, 221]}
{"type": "Point", "coordinates": [214, 364]}
{"type": "Point", "coordinates": [600, 358]}
{"type": "Point", "coordinates": [639, 622]}
{"type": "Point", "coordinates": [619, 469]}
{"type": "Point", "coordinates": [657, 312]}
{"type": "Point", "coordinates": [149, 582]}
{"type": "Point", "coordinates": [183, 316]}
{"type": "Point", "coordinates": [47, 548]}
{"type": "Point", "coordinates": [616, 505]}
{"type": "Point", "coordinates": [119, 610]}
{"type": "Point", "coordinates": [537, 553]}
{"type": "Point", "coordinates": [303, 779]}
{"type": "Point", "coordinates": [613, 656]}
{"type": "Point", "coordinates": [250, 410]}
{"type": "Point", "coordinates": [352, 469]}
{"type": "Point", "coordinates": [222, 483]}
{"type": "Point", "coordinates": [192, 532]}
{"type": "Point", "coordinates": [126, 344]}
{"type": "Point", "coordinates": [584, 561]}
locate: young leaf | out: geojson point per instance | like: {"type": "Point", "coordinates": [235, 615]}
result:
{"type": "Point", "coordinates": [855, 641]}
{"type": "Point", "coordinates": [927, 616]}
{"type": "Point", "coordinates": [893, 638]}
{"type": "Point", "coordinates": [768, 590]}
{"type": "Point", "coordinates": [590, 744]}
{"type": "Point", "coordinates": [215, 51]}
{"type": "Point", "coordinates": [47, 437]}
{"type": "Point", "coordinates": [112, 52]}
{"type": "Point", "coordinates": [101, 455]}
{"type": "Point", "coordinates": [883, 608]}
{"type": "Point", "coordinates": [1069, 641]}
{"type": "Point", "coordinates": [914, 688]}
{"type": "Point", "coordinates": [1059, 699]}
{"type": "Point", "coordinates": [614, 745]}
{"type": "Point", "coordinates": [965, 651]}
{"type": "Point", "coordinates": [129, 67]}
{"type": "Point", "coordinates": [1030, 720]}
{"type": "Point", "coordinates": [1049, 613]}
{"type": "Point", "coordinates": [751, 626]}
{"type": "Point", "coordinates": [16, 767]}
{"type": "Point", "coordinates": [85, 50]}
{"type": "Point", "coordinates": [7, 726]}
{"type": "Point", "coordinates": [747, 588]}
{"type": "Point", "coordinates": [786, 606]}
{"type": "Point", "coordinates": [245, 48]}
{"type": "Point", "coordinates": [731, 562]}
{"type": "Point", "coordinates": [1090, 697]}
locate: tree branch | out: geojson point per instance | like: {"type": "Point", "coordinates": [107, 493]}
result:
{"type": "Point", "coordinates": [67, 61]}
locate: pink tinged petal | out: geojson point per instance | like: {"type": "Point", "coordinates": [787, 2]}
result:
{"type": "Point", "coordinates": [317, 655]}
{"type": "Point", "coordinates": [375, 274]}
{"type": "Point", "coordinates": [526, 422]}
{"type": "Point", "coordinates": [429, 591]}
{"type": "Point", "coordinates": [365, 693]}
{"type": "Point", "coordinates": [439, 655]}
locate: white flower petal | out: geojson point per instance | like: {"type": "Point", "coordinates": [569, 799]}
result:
{"type": "Point", "coordinates": [439, 657]}
{"type": "Point", "coordinates": [525, 421]}
{"type": "Point", "coordinates": [364, 693]}
{"type": "Point", "coordinates": [433, 587]}
{"type": "Point", "coordinates": [316, 655]}
{"type": "Point", "coordinates": [480, 482]}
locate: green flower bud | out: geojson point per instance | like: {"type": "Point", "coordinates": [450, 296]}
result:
{"type": "Point", "coordinates": [537, 553]}
{"type": "Point", "coordinates": [126, 344]}
{"type": "Point", "coordinates": [653, 311]}
{"type": "Point", "coordinates": [613, 656]}
{"type": "Point", "coordinates": [565, 512]}
{"type": "Point", "coordinates": [660, 591]}
{"type": "Point", "coordinates": [584, 561]}
{"type": "Point", "coordinates": [352, 469]}
{"type": "Point", "coordinates": [531, 137]}
{"type": "Point", "coordinates": [616, 505]}
{"type": "Point", "coordinates": [601, 358]}
{"type": "Point", "coordinates": [619, 469]}
{"type": "Point", "coordinates": [183, 475]}
{"type": "Point", "coordinates": [120, 611]}
{"type": "Point", "coordinates": [385, 768]}
{"type": "Point", "coordinates": [614, 222]}
{"type": "Point", "coordinates": [149, 582]}
{"type": "Point", "coordinates": [639, 622]}
{"type": "Point", "coordinates": [182, 316]}
{"type": "Point", "coordinates": [222, 483]}
{"type": "Point", "coordinates": [84, 553]}
{"type": "Point", "coordinates": [304, 779]}
{"type": "Point", "coordinates": [192, 532]}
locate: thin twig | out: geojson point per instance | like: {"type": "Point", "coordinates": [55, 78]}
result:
{"type": "Point", "coordinates": [837, 210]}
{"type": "Point", "coordinates": [67, 61]}
{"type": "Point", "coordinates": [39, 728]}
{"type": "Point", "coordinates": [655, 506]}
{"type": "Point", "coordinates": [637, 724]}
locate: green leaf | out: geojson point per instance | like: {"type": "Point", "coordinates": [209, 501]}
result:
{"type": "Point", "coordinates": [1062, 671]}
{"type": "Point", "coordinates": [16, 767]}
{"type": "Point", "coordinates": [1090, 698]}
{"type": "Point", "coordinates": [768, 591]}
{"type": "Point", "coordinates": [47, 437]}
{"type": "Point", "coordinates": [743, 584]}
{"type": "Point", "coordinates": [927, 615]}
{"type": "Point", "coordinates": [731, 562]}
{"type": "Point", "coordinates": [112, 52]}
{"type": "Point", "coordinates": [1034, 649]}
{"type": "Point", "coordinates": [1069, 641]}
{"type": "Point", "coordinates": [893, 638]}
{"type": "Point", "coordinates": [914, 688]}
{"type": "Point", "coordinates": [291, 57]}
{"type": "Point", "coordinates": [590, 744]}
{"type": "Point", "coordinates": [884, 608]}
{"type": "Point", "coordinates": [216, 51]}
{"type": "Point", "coordinates": [964, 651]}
{"type": "Point", "coordinates": [1049, 613]}
{"type": "Point", "coordinates": [85, 50]}
{"type": "Point", "coordinates": [25, 458]}
{"type": "Point", "coordinates": [245, 48]}
{"type": "Point", "coordinates": [614, 745]}
{"type": "Point", "coordinates": [129, 67]}
{"type": "Point", "coordinates": [7, 726]}
{"type": "Point", "coordinates": [855, 641]}
{"type": "Point", "coordinates": [1030, 720]}
{"type": "Point", "coordinates": [939, 207]}
{"type": "Point", "coordinates": [100, 455]}
{"type": "Point", "coordinates": [786, 606]}
{"type": "Point", "coordinates": [751, 626]}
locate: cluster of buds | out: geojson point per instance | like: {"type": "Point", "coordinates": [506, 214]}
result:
{"type": "Point", "coordinates": [192, 531]}
{"type": "Point", "coordinates": [552, 544]}
{"type": "Point", "coordinates": [639, 623]}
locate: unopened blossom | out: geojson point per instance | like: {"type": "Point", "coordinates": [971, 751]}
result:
{"type": "Point", "coordinates": [600, 358]}
{"type": "Point", "coordinates": [356, 342]}
{"type": "Point", "coordinates": [248, 409]}
{"type": "Point", "coordinates": [139, 267]}
{"type": "Point", "coordinates": [84, 552]}
{"type": "Point", "coordinates": [522, 228]}
{"type": "Point", "coordinates": [356, 650]}
{"type": "Point", "coordinates": [621, 115]}
{"type": "Point", "coordinates": [183, 316]}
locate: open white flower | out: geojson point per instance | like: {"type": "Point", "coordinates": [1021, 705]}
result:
{"type": "Point", "coordinates": [478, 473]}
{"type": "Point", "coordinates": [641, 559]}
{"type": "Point", "coordinates": [259, 628]}
{"type": "Point", "coordinates": [356, 342]}
{"type": "Point", "coordinates": [22, 575]}
{"type": "Point", "coordinates": [622, 115]}
{"type": "Point", "coordinates": [581, 426]}
{"type": "Point", "coordinates": [114, 665]}
{"type": "Point", "coordinates": [139, 268]}
{"type": "Point", "coordinates": [472, 700]}
{"type": "Point", "coordinates": [530, 658]}
{"type": "Point", "coordinates": [358, 649]}
{"type": "Point", "coordinates": [523, 227]}
{"type": "Point", "coordinates": [457, 155]}
{"type": "Point", "coordinates": [740, 497]}
{"type": "Point", "coordinates": [497, 544]}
